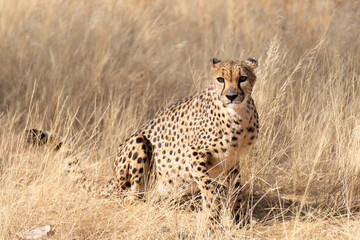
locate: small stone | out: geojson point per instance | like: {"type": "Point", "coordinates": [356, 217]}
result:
{"type": "Point", "coordinates": [36, 233]}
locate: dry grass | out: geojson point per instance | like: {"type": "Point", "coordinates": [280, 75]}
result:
{"type": "Point", "coordinates": [94, 71]}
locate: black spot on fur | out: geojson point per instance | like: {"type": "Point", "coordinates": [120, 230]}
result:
{"type": "Point", "coordinates": [250, 129]}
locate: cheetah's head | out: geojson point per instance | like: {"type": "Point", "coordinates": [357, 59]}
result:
{"type": "Point", "coordinates": [233, 80]}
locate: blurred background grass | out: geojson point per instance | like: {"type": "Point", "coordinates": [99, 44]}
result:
{"type": "Point", "coordinates": [94, 71]}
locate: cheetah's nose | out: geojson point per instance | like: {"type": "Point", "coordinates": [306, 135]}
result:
{"type": "Point", "coordinates": [231, 97]}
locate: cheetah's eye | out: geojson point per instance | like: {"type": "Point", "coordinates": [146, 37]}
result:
{"type": "Point", "coordinates": [220, 80]}
{"type": "Point", "coordinates": [243, 78]}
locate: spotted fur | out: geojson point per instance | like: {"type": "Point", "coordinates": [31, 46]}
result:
{"type": "Point", "coordinates": [195, 143]}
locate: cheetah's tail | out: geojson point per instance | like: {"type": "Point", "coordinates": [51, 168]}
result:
{"type": "Point", "coordinates": [72, 166]}
{"type": "Point", "coordinates": [40, 138]}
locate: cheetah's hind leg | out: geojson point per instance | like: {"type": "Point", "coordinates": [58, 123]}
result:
{"type": "Point", "coordinates": [132, 165]}
{"type": "Point", "coordinates": [78, 175]}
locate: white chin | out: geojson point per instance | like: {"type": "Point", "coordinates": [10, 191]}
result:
{"type": "Point", "coordinates": [232, 105]}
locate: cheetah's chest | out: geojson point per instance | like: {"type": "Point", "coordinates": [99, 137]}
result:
{"type": "Point", "coordinates": [239, 134]}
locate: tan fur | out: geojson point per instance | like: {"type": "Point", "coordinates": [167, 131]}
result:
{"type": "Point", "coordinates": [195, 143]}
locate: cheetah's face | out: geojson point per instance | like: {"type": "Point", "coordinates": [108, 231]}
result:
{"type": "Point", "coordinates": [233, 80]}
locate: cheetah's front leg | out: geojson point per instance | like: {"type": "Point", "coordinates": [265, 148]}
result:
{"type": "Point", "coordinates": [210, 190]}
{"type": "Point", "coordinates": [237, 195]}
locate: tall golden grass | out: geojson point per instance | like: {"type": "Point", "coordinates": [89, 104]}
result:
{"type": "Point", "coordinates": [94, 71]}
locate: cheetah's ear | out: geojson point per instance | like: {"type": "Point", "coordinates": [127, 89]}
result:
{"type": "Point", "coordinates": [214, 61]}
{"type": "Point", "coordinates": [251, 63]}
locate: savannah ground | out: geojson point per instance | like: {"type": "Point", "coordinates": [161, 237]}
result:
{"type": "Point", "coordinates": [95, 71]}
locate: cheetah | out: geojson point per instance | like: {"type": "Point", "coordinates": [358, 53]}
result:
{"type": "Point", "coordinates": [195, 143]}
